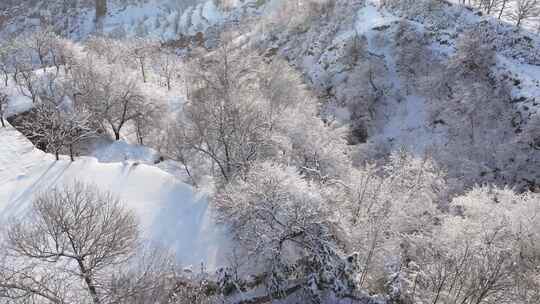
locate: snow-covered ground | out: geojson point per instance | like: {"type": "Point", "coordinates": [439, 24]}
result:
{"type": "Point", "coordinates": [18, 103]}
{"type": "Point", "coordinates": [526, 89]}
{"type": "Point", "coordinates": [120, 151]}
{"type": "Point", "coordinates": [403, 121]}
{"type": "Point", "coordinates": [170, 211]}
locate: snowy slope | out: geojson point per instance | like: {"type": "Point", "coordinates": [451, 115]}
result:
{"type": "Point", "coordinates": [405, 122]}
{"type": "Point", "coordinates": [170, 212]}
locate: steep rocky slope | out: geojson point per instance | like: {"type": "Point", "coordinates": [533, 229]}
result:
{"type": "Point", "coordinates": [375, 66]}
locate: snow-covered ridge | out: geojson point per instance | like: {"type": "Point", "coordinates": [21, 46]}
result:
{"type": "Point", "coordinates": [170, 212]}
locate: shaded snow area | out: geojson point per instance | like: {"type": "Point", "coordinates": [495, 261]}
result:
{"type": "Point", "coordinates": [370, 17]}
{"type": "Point", "coordinates": [402, 121]}
{"type": "Point", "coordinates": [526, 80]}
{"type": "Point", "coordinates": [169, 210]}
{"type": "Point", "coordinates": [407, 126]}
{"type": "Point", "coordinates": [119, 151]}
{"type": "Point", "coordinates": [17, 102]}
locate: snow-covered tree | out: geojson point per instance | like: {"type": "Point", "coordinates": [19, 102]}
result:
{"type": "Point", "coordinates": [110, 93]}
{"type": "Point", "coordinates": [55, 122]}
{"type": "Point", "coordinates": [472, 105]}
{"type": "Point", "coordinates": [224, 118]}
{"type": "Point", "coordinates": [121, 104]}
{"type": "Point", "coordinates": [108, 49]}
{"type": "Point", "coordinates": [491, 6]}
{"type": "Point", "coordinates": [27, 82]}
{"type": "Point", "coordinates": [167, 65]}
{"type": "Point", "coordinates": [296, 15]}
{"type": "Point", "coordinates": [473, 56]}
{"type": "Point", "coordinates": [41, 44]}
{"type": "Point", "coordinates": [378, 207]}
{"type": "Point", "coordinates": [242, 109]}
{"type": "Point", "coordinates": [285, 227]}
{"type": "Point", "coordinates": [141, 50]}
{"type": "Point", "coordinates": [24, 72]}
{"type": "Point", "coordinates": [150, 119]}
{"type": "Point", "coordinates": [6, 60]}
{"type": "Point", "coordinates": [78, 229]}
{"type": "Point", "coordinates": [484, 253]}
{"type": "Point", "coordinates": [61, 53]}
{"type": "Point", "coordinates": [414, 57]}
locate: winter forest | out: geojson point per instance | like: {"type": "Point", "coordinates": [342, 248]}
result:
{"type": "Point", "coordinates": [269, 151]}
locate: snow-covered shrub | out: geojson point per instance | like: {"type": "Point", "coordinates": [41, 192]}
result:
{"type": "Point", "coordinates": [188, 291]}
{"type": "Point", "coordinates": [413, 57]}
{"type": "Point", "coordinates": [140, 52]}
{"type": "Point", "coordinates": [378, 208]}
{"type": "Point", "coordinates": [487, 252]}
{"type": "Point", "coordinates": [167, 65]}
{"type": "Point", "coordinates": [303, 140]}
{"type": "Point", "coordinates": [111, 50]}
{"type": "Point", "coordinates": [285, 227]}
{"type": "Point", "coordinates": [111, 93]}
{"type": "Point", "coordinates": [473, 56]}
{"type": "Point", "coordinates": [7, 60]}
{"type": "Point", "coordinates": [55, 123]}
{"type": "Point", "coordinates": [225, 118]}
{"type": "Point", "coordinates": [438, 14]}
{"type": "Point", "coordinates": [242, 109]}
{"type": "Point", "coordinates": [472, 105]}
{"type": "Point", "coordinates": [519, 45]}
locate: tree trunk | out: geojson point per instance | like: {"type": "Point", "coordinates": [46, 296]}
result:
{"type": "Point", "coordinates": [2, 121]}
{"type": "Point", "coordinates": [142, 70]}
{"type": "Point", "coordinates": [503, 7]}
{"type": "Point", "coordinates": [57, 155]}
{"type": "Point", "coordinates": [117, 135]}
{"type": "Point", "coordinates": [42, 62]}
{"type": "Point", "coordinates": [190, 176]}
{"type": "Point", "coordinates": [91, 287]}
{"type": "Point", "coordinates": [71, 152]}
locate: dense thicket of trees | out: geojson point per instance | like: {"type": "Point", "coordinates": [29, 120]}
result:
{"type": "Point", "coordinates": [81, 94]}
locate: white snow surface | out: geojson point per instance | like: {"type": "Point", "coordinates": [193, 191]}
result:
{"type": "Point", "coordinates": [17, 103]}
{"type": "Point", "coordinates": [120, 151]}
{"type": "Point", "coordinates": [371, 17]}
{"type": "Point", "coordinates": [170, 212]}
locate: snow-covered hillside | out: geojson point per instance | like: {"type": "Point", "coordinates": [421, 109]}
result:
{"type": "Point", "coordinates": [171, 213]}
{"type": "Point", "coordinates": [306, 151]}
{"type": "Point", "coordinates": [375, 65]}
